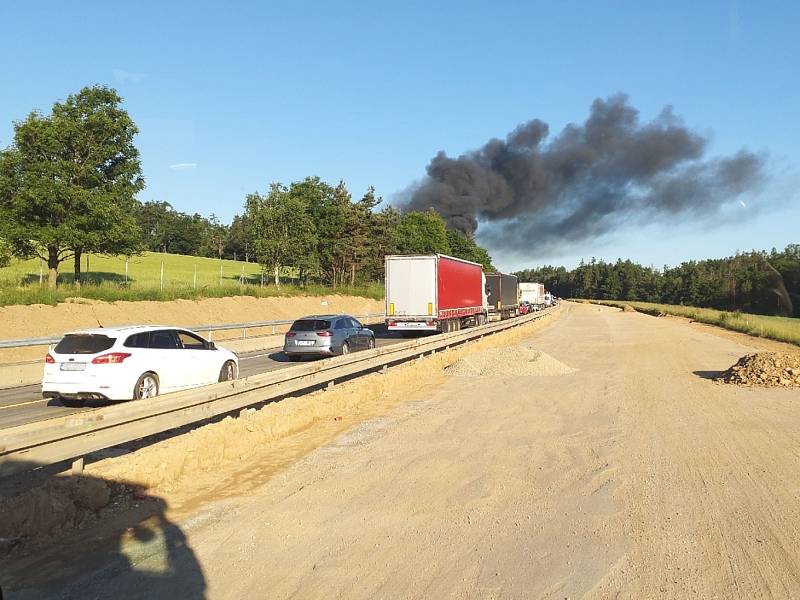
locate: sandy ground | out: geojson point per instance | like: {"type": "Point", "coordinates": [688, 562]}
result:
{"type": "Point", "coordinates": [40, 320]}
{"type": "Point", "coordinates": [633, 476]}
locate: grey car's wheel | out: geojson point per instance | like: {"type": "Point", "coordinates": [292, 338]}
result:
{"type": "Point", "coordinates": [345, 348]}
{"type": "Point", "coordinates": [371, 343]}
{"type": "Point", "coordinates": [228, 371]}
{"type": "Point", "coordinates": [146, 387]}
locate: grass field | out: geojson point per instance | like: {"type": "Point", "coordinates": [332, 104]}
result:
{"type": "Point", "coordinates": [184, 277]}
{"type": "Point", "coordinates": [784, 329]}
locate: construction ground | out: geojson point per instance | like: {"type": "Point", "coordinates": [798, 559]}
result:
{"type": "Point", "coordinates": [591, 455]}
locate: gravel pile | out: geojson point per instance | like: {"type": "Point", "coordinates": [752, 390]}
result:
{"type": "Point", "coordinates": [769, 369]}
{"type": "Point", "coordinates": [516, 360]}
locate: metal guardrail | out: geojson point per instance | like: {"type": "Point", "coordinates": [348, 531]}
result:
{"type": "Point", "coordinates": [210, 329]}
{"type": "Point", "coordinates": [73, 436]}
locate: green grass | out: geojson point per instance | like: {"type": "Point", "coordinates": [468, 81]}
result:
{"type": "Point", "coordinates": [184, 277]}
{"type": "Point", "coordinates": [783, 329]}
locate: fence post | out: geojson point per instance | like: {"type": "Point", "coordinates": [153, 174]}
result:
{"type": "Point", "coordinates": [194, 281]}
{"type": "Point", "coordinates": [126, 271]}
{"type": "Point", "coordinates": [41, 274]}
{"type": "Point", "coordinates": [162, 275]}
{"type": "Point", "coordinates": [220, 274]}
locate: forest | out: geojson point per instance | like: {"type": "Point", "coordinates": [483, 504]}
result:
{"type": "Point", "coordinates": [758, 282]}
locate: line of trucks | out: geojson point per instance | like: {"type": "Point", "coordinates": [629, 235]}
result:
{"type": "Point", "coordinates": [434, 292]}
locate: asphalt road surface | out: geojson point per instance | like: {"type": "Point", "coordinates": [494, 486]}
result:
{"type": "Point", "coordinates": [25, 404]}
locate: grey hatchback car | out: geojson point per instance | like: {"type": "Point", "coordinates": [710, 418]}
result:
{"type": "Point", "coordinates": [326, 335]}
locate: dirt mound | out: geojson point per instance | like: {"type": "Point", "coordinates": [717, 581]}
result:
{"type": "Point", "coordinates": [511, 360]}
{"type": "Point", "coordinates": [628, 308]}
{"type": "Point", "coordinates": [769, 369]}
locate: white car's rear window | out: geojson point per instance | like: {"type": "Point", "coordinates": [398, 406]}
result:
{"type": "Point", "coordinates": [84, 344]}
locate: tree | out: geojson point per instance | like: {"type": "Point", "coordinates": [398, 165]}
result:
{"type": "Point", "coordinates": [214, 237]}
{"type": "Point", "coordinates": [422, 233]}
{"type": "Point", "coordinates": [280, 227]}
{"type": "Point", "coordinates": [317, 199]}
{"type": "Point", "coordinates": [238, 239]}
{"type": "Point", "coordinates": [69, 180]}
{"type": "Point", "coordinates": [462, 245]}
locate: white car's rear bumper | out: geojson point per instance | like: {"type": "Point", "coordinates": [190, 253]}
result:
{"type": "Point", "coordinates": [88, 386]}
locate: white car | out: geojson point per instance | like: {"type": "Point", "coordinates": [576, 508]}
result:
{"type": "Point", "coordinates": [132, 363]}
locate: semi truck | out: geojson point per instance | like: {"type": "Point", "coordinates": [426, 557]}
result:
{"type": "Point", "coordinates": [502, 293]}
{"type": "Point", "coordinates": [433, 292]}
{"type": "Point", "coordinates": [533, 293]}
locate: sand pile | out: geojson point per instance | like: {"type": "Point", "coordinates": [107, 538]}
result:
{"type": "Point", "coordinates": [628, 308]}
{"type": "Point", "coordinates": [514, 360]}
{"type": "Point", "coordinates": [769, 369]}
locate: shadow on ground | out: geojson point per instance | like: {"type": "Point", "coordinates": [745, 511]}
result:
{"type": "Point", "coordinates": [709, 374]}
{"type": "Point", "coordinates": [91, 278]}
{"type": "Point", "coordinates": [82, 537]}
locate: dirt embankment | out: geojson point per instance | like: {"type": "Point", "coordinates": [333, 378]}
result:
{"type": "Point", "coordinates": [46, 321]}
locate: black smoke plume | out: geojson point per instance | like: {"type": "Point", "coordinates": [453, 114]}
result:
{"type": "Point", "coordinates": [586, 181]}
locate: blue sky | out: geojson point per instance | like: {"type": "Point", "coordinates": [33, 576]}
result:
{"type": "Point", "coordinates": [231, 96]}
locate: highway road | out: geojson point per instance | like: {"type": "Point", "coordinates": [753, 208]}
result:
{"type": "Point", "coordinates": [25, 404]}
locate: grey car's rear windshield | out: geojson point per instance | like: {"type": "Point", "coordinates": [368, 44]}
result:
{"type": "Point", "coordinates": [84, 344]}
{"type": "Point", "coordinates": [310, 325]}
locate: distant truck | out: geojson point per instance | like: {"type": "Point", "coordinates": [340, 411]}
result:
{"type": "Point", "coordinates": [433, 292]}
{"type": "Point", "coordinates": [502, 294]}
{"type": "Point", "coordinates": [533, 293]}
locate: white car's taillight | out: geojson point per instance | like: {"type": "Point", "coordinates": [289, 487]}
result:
{"type": "Point", "coordinates": [111, 358]}
{"type": "Point", "coordinates": [49, 359]}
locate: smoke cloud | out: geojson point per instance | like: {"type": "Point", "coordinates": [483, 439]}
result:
{"type": "Point", "coordinates": [586, 181]}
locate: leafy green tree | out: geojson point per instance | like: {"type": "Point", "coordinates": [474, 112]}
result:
{"type": "Point", "coordinates": [422, 233]}
{"type": "Point", "coordinates": [238, 243]}
{"type": "Point", "coordinates": [317, 198]}
{"type": "Point", "coordinates": [383, 226]}
{"type": "Point", "coordinates": [462, 245]}
{"type": "Point", "coordinates": [69, 180]}
{"type": "Point", "coordinates": [281, 229]}
{"type": "Point", "coordinates": [214, 238]}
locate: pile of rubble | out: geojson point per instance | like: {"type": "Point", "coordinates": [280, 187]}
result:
{"type": "Point", "coordinates": [768, 369]}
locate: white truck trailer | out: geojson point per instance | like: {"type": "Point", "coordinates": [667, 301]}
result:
{"type": "Point", "coordinates": [532, 293]}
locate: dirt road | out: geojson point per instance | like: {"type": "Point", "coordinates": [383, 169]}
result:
{"type": "Point", "coordinates": [635, 476]}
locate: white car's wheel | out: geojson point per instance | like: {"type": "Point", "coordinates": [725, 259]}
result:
{"type": "Point", "coordinates": [146, 387]}
{"type": "Point", "coordinates": [228, 371]}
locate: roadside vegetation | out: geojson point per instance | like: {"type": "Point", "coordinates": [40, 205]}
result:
{"type": "Point", "coordinates": [783, 329]}
{"type": "Point", "coordinates": [70, 218]}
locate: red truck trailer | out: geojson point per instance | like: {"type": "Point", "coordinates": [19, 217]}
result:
{"type": "Point", "coordinates": [433, 292]}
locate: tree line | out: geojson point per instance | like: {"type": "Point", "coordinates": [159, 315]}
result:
{"type": "Point", "coordinates": [756, 282]}
{"type": "Point", "coordinates": [68, 187]}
